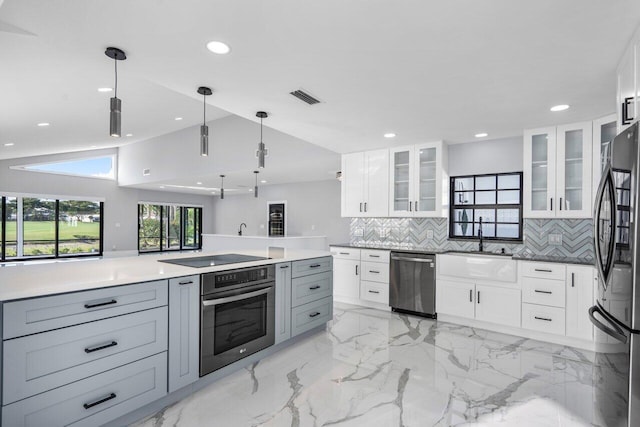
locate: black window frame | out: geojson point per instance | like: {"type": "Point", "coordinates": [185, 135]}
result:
{"type": "Point", "coordinates": [495, 206]}
{"type": "Point", "coordinates": [56, 241]}
{"type": "Point", "coordinates": [197, 235]}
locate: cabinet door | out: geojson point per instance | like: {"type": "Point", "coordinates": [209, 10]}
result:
{"type": "Point", "coordinates": [573, 174]}
{"type": "Point", "coordinates": [352, 185]}
{"type": "Point", "coordinates": [283, 302]}
{"type": "Point", "coordinates": [604, 130]}
{"type": "Point", "coordinates": [539, 173]}
{"type": "Point", "coordinates": [346, 278]}
{"type": "Point", "coordinates": [627, 89]}
{"type": "Point", "coordinates": [377, 183]}
{"type": "Point", "coordinates": [498, 305]}
{"type": "Point", "coordinates": [579, 285]}
{"type": "Point", "coordinates": [184, 327]}
{"type": "Point", "coordinates": [400, 181]}
{"type": "Point", "coordinates": [455, 298]}
{"type": "Point", "coordinates": [428, 180]}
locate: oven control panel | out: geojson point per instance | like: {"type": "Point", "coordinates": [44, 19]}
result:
{"type": "Point", "coordinates": [211, 282]}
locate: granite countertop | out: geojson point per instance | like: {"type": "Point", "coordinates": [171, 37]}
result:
{"type": "Point", "coordinates": [25, 280]}
{"type": "Point", "coordinates": [525, 256]}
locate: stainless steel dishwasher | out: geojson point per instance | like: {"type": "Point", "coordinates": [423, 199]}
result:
{"type": "Point", "coordinates": [412, 287]}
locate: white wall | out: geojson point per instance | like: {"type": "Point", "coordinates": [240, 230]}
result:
{"type": "Point", "coordinates": [480, 157]}
{"type": "Point", "coordinates": [313, 209]}
{"type": "Point", "coordinates": [120, 206]}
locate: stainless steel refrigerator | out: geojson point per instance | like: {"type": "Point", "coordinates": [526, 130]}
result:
{"type": "Point", "coordinates": [616, 313]}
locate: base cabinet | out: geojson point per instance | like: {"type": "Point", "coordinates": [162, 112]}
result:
{"type": "Point", "coordinates": [283, 302]}
{"type": "Point", "coordinates": [311, 298]}
{"type": "Point", "coordinates": [498, 305]}
{"type": "Point", "coordinates": [184, 324]}
{"type": "Point", "coordinates": [346, 278]}
{"type": "Point", "coordinates": [455, 298]}
{"type": "Point", "coordinates": [581, 282]}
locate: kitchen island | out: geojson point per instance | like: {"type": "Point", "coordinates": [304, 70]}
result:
{"type": "Point", "coordinates": [104, 341]}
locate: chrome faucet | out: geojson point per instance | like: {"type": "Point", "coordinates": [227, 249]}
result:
{"type": "Point", "coordinates": [240, 229]}
{"type": "Point", "coordinates": [480, 234]}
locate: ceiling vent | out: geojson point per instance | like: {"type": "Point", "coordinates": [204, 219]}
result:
{"type": "Point", "coordinates": [305, 97]}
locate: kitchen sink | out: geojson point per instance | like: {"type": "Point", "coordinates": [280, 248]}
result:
{"type": "Point", "coordinates": [506, 254]}
{"type": "Point", "coordinates": [478, 265]}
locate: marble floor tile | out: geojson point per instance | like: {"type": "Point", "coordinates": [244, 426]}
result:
{"type": "Point", "coordinates": [376, 368]}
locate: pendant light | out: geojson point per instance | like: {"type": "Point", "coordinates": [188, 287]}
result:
{"type": "Point", "coordinates": [255, 188]}
{"type": "Point", "coordinates": [222, 186]}
{"type": "Point", "coordinates": [115, 124]}
{"type": "Point", "coordinates": [204, 129]}
{"type": "Point", "coordinates": [262, 152]}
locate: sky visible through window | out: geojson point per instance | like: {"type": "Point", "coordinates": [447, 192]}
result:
{"type": "Point", "coordinates": [101, 167]}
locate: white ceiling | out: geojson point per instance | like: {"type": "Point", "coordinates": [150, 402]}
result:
{"type": "Point", "coordinates": [426, 70]}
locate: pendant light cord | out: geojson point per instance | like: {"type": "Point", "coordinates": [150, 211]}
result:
{"type": "Point", "coordinates": [260, 129]}
{"type": "Point", "coordinates": [204, 112]}
{"type": "Point", "coordinates": [115, 61]}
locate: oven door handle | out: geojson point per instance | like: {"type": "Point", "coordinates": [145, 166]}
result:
{"type": "Point", "coordinates": [217, 301]}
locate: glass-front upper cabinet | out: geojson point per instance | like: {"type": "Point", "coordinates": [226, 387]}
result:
{"type": "Point", "coordinates": [539, 172]}
{"type": "Point", "coordinates": [419, 181]}
{"type": "Point", "coordinates": [604, 130]}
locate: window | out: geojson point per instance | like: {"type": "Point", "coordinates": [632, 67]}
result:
{"type": "Point", "coordinates": [168, 227]}
{"type": "Point", "coordinates": [496, 198]}
{"type": "Point", "coordinates": [34, 227]}
{"type": "Point", "coordinates": [91, 167]}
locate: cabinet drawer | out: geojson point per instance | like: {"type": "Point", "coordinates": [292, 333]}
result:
{"type": "Point", "coordinates": [543, 319]}
{"type": "Point", "coordinates": [345, 253]}
{"type": "Point", "coordinates": [37, 363]}
{"type": "Point", "coordinates": [374, 255]}
{"type": "Point", "coordinates": [311, 266]}
{"type": "Point", "coordinates": [95, 400]}
{"type": "Point", "coordinates": [544, 270]}
{"type": "Point", "coordinates": [42, 314]}
{"type": "Point", "coordinates": [308, 316]}
{"type": "Point", "coordinates": [374, 292]}
{"type": "Point", "coordinates": [375, 272]}
{"type": "Point", "coordinates": [310, 288]}
{"type": "Point", "coordinates": [543, 291]}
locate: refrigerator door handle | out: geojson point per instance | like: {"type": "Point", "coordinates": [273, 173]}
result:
{"type": "Point", "coordinates": [605, 185]}
{"type": "Point", "coordinates": [614, 332]}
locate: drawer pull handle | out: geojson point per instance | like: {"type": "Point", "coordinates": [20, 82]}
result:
{"type": "Point", "coordinates": [313, 288]}
{"type": "Point", "coordinates": [470, 295]}
{"type": "Point", "coordinates": [374, 272]}
{"type": "Point", "coordinates": [97, 402]}
{"type": "Point", "coordinates": [573, 280]}
{"type": "Point", "coordinates": [543, 292]}
{"type": "Point", "coordinates": [546, 319]}
{"type": "Point", "coordinates": [100, 304]}
{"type": "Point", "coordinates": [100, 347]}
{"type": "Point", "coordinates": [374, 256]}
{"type": "Point", "coordinates": [543, 270]}
{"type": "Point", "coordinates": [186, 282]}
{"type": "Point", "coordinates": [284, 266]}
{"type": "Point", "coordinates": [374, 292]}
{"type": "Point", "coordinates": [314, 265]}
{"type": "Point", "coordinates": [344, 253]}
{"type": "Point", "coordinates": [317, 313]}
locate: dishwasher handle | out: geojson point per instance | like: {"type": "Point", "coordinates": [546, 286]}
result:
{"type": "Point", "coordinates": [398, 258]}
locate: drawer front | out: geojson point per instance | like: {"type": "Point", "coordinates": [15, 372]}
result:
{"type": "Point", "coordinates": [41, 362]}
{"type": "Point", "coordinates": [345, 253]}
{"type": "Point", "coordinates": [544, 270]}
{"type": "Point", "coordinates": [310, 288]}
{"type": "Point", "coordinates": [311, 266]}
{"type": "Point", "coordinates": [311, 315]}
{"type": "Point", "coordinates": [374, 255]}
{"type": "Point", "coordinates": [374, 292]}
{"type": "Point", "coordinates": [375, 272]}
{"type": "Point", "coordinates": [543, 319]}
{"type": "Point", "coordinates": [43, 314]}
{"type": "Point", "coordinates": [95, 400]}
{"type": "Point", "coordinates": [543, 291]}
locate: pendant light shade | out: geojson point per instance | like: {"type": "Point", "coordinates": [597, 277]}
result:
{"type": "Point", "coordinates": [262, 152]}
{"type": "Point", "coordinates": [204, 129]}
{"type": "Point", "coordinates": [222, 186]}
{"type": "Point", "coordinates": [115, 120]}
{"type": "Point", "coordinates": [255, 188]}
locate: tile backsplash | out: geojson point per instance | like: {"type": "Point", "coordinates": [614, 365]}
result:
{"type": "Point", "coordinates": [551, 237]}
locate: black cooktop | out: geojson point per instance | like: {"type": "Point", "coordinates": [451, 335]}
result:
{"type": "Point", "coordinates": [211, 260]}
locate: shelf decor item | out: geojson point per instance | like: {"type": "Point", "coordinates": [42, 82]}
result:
{"type": "Point", "coordinates": [204, 129]}
{"type": "Point", "coordinates": [115, 123]}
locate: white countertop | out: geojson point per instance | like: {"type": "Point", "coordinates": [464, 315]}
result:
{"type": "Point", "coordinates": [244, 236]}
{"type": "Point", "coordinates": [25, 280]}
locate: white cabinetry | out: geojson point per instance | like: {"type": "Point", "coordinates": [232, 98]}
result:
{"type": "Point", "coordinates": [419, 181]}
{"type": "Point", "coordinates": [346, 272]}
{"type": "Point", "coordinates": [374, 281]}
{"type": "Point", "coordinates": [361, 276]}
{"type": "Point", "coordinates": [604, 130]}
{"type": "Point", "coordinates": [184, 324]}
{"type": "Point", "coordinates": [580, 283]}
{"type": "Point", "coordinates": [455, 298]}
{"type": "Point", "coordinates": [557, 172]}
{"type": "Point", "coordinates": [283, 302]}
{"type": "Point", "coordinates": [627, 101]}
{"type": "Point", "coordinates": [365, 184]}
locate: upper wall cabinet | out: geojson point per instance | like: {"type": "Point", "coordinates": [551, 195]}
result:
{"type": "Point", "coordinates": [604, 130]}
{"type": "Point", "coordinates": [628, 70]}
{"type": "Point", "coordinates": [557, 172]}
{"type": "Point", "coordinates": [419, 181]}
{"type": "Point", "coordinates": [365, 184]}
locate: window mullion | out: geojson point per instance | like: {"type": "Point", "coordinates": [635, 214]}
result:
{"type": "Point", "coordinates": [19, 229]}
{"type": "Point", "coordinates": [57, 228]}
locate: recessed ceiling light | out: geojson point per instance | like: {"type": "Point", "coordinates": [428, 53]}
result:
{"type": "Point", "coordinates": [218, 47]}
{"type": "Point", "coordinates": [561, 107]}
{"type": "Point", "coordinates": [178, 118]}
{"type": "Point", "coordinates": [481, 135]}
{"type": "Point", "coordinates": [104, 89]}
{"type": "Point", "coordinates": [43, 124]}
{"type": "Point", "coordinates": [251, 189]}
{"type": "Point", "coordinates": [162, 186]}
{"type": "Point", "coordinates": [390, 135]}
{"type": "Point", "coordinates": [264, 181]}
{"type": "Point", "coordinates": [94, 146]}
{"type": "Point", "coordinates": [129, 134]}
{"type": "Point", "coordinates": [9, 144]}
{"type": "Point", "coordinates": [199, 183]}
